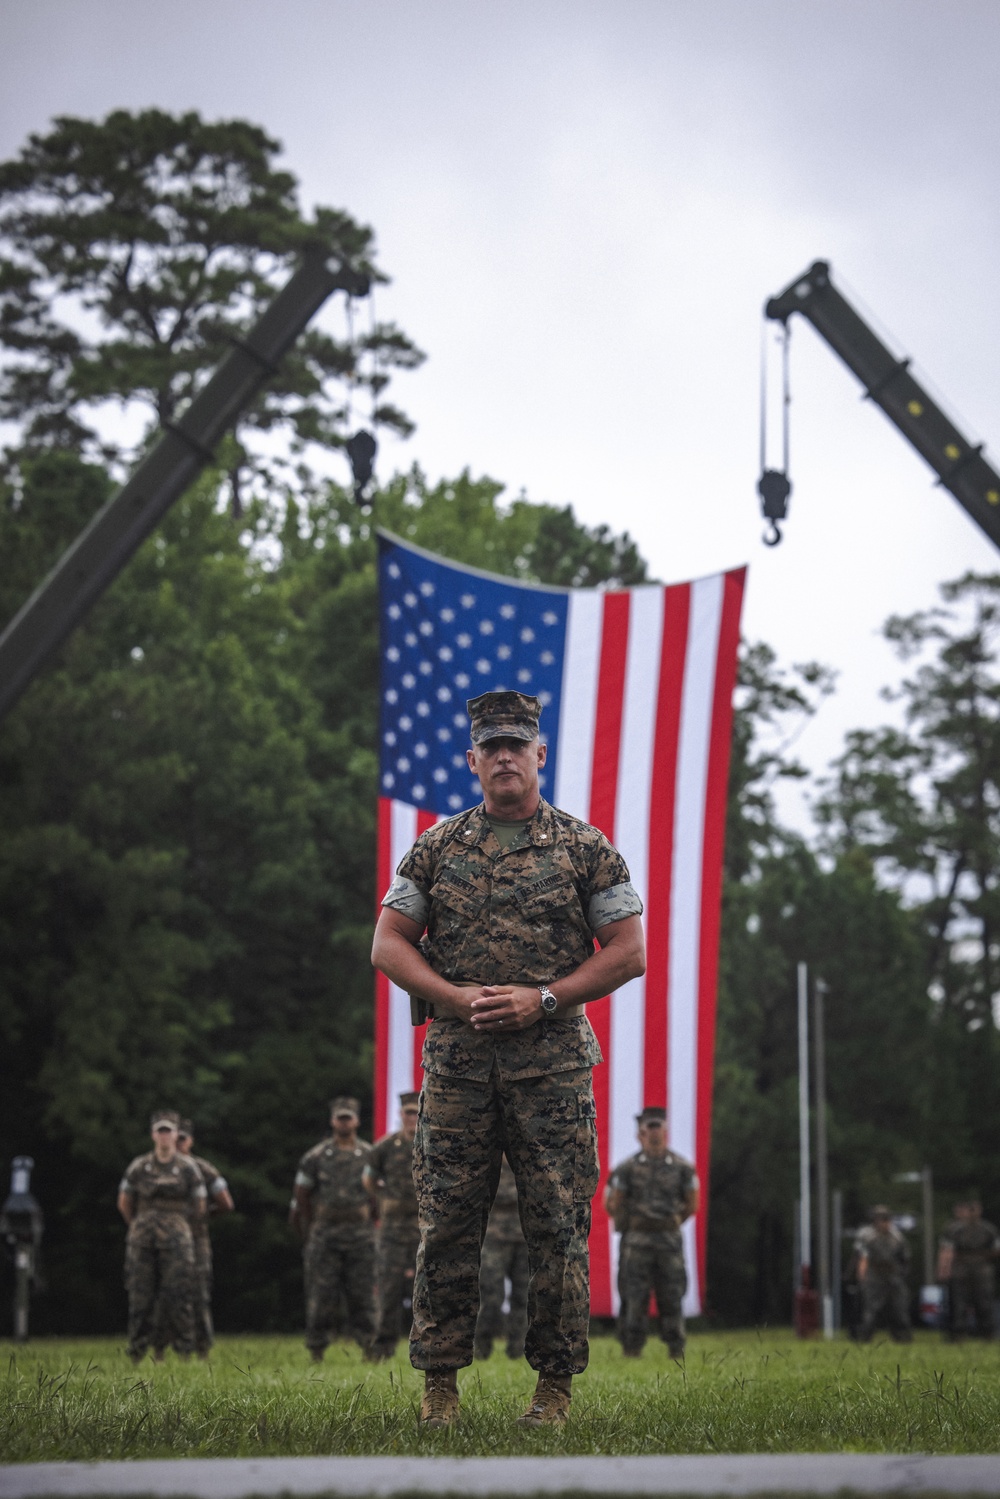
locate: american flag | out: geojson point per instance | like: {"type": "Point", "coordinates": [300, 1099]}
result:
{"type": "Point", "coordinates": [637, 686]}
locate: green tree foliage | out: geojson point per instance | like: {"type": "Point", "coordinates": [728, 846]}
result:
{"type": "Point", "coordinates": [187, 804]}
{"type": "Point", "coordinates": [923, 801]}
{"type": "Point", "coordinates": [781, 906]}
{"type": "Point", "coordinates": [133, 249]}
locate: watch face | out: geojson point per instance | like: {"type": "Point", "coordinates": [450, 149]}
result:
{"type": "Point", "coordinates": [549, 1002]}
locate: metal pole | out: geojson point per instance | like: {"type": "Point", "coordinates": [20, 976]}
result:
{"type": "Point", "coordinates": [805, 1240]}
{"type": "Point", "coordinates": [822, 1161]}
{"type": "Point", "coordinates": [22, 1286]}
{"type": "Point", "coordinates": [838, 1265]}
{"type": "Point", "coordinates": [927, 1181]}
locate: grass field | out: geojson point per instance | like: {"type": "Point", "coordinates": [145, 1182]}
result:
{"type": "Point", "coordinates": [737, 1392]}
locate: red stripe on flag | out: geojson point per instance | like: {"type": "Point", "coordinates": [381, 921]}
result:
{"type": "Point", "coordinates": [425, 820]}
{"type": "Point", "coordinates": [662, 794]}
{"type": "Point", "coordinates": [383, 878]}
{"type": "Point", "coordinates": [716, 788]}
{"type": "Point", "coordinates": [603, 795]}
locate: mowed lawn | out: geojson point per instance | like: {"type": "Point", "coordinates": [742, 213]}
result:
{"type": "Point", "coordinates": [737, 1392]}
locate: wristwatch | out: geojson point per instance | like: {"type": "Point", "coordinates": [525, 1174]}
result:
{"type": "Point", "coordinates": [549, 1002]}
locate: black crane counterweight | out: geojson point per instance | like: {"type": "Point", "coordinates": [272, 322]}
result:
{"type": "Point", "coordinates": [959, 464]}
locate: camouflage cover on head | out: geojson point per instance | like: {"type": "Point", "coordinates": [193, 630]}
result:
{"type": "Point", "coordinates": [651, 1114]}
{"type": "Point", "coordinates": [509, 715]}
{"type": "Point", "coordinates": [345, 1106]}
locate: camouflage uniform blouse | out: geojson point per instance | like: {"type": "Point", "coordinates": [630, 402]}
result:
{"type": "Point", "coordinates": [215, 1183]}
{"type": "Point", "coordinates": [525, 914]}
{"type": "Point", "coordinates": [390, 1167]}
{"type": "Point", "coordinates": [333, 1178]}
{"type": "Point", "coordinates": [887, 1253]}
{"type": "Point", "coordinates": [160, 1188]}
{"type": "Point", "coordinates": [655, 1191]}
{"type": "Point", "coordinates": [974, 1241]}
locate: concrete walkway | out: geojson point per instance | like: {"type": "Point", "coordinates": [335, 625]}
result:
{"type": "Point", "coordinates": [237, 1478]}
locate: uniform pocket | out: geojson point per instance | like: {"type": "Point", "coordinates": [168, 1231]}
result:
{"type": "Point", "coordinates": [588, 1166]}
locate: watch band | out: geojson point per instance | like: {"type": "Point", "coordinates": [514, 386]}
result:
{"type": "Point", "coordinates": [549, 1001]}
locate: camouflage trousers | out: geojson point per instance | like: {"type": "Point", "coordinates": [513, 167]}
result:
{"type": "Point", "coordinates": [395, 1258]}
{"type": "Point", "coordinates": [547, 1128]}
{"type": "Point", "coordinates": [502, 1260]}
{"type": "Point", "coordinates": [651, 1263]}
{"type": "Point", "coordinates": [162, 1283]}
{"type": "Point", "coordinates": [204, 1331]}
{"type": "Point", "coordinates": [885, 1296]}
{"type": "Point", "coordinates": [339, 1264]}
{"type": "Point", "coordinates": [971, 1290]}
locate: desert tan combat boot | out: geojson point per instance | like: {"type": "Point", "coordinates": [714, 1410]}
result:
{"type": "Point", "coordinates": [550, 1402]}
{"type": "Point", "coordinates": [439, 1407]}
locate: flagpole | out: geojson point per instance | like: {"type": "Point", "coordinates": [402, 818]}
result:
{"type": "Point", "coordinates": [806, 1307]}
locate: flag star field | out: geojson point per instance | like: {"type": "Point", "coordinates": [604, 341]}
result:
{"type": "Point", "coordinates": [447, 636]}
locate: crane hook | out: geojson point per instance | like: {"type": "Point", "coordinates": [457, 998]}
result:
{"type": "Point", "coordinates": [774, 487]}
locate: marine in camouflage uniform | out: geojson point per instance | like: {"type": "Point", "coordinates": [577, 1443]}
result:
{"type": "Point", "coordinates": [883, 1258]}
{"type": "Point", "coordinates": [389, 1178]}
{"type": "Point", "coordinates": [968, 1252]}
{"type": "Point", "coordinates": [649, 1196]}
{"type": "Point", "coordinates": [219, 1201]}
{"type": "Point", "coordinates": [158, 1195]}
{"type": "Point", "coordinates": [333, 1213]}
{"type": "Point", "coordinates": [511, 896]}
{"type": "Point", "coordinates": [504, 1258]}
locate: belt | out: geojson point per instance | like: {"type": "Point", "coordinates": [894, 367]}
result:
{"type": "Point", "coordinates": [358, 1214]}
{"type": "Point", "coordinates": [638, 1223]}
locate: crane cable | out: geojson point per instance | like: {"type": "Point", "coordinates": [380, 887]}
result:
{"type": "Point", "coordinates": [774, 485]}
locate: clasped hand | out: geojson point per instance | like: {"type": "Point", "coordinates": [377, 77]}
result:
{"type": "Point", "coordinates": [501, 1007]}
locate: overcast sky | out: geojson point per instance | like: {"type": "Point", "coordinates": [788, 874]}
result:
{"type": "Point", "coordinates": [583, 207]}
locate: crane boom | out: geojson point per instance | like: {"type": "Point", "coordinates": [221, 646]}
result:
{"type": "Point", "coordinates": [104, 546]}
{"type": "Point", "coordinates": [959, 464]}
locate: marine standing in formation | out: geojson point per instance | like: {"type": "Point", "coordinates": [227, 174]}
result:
{"type": "Point", "coordinates": [511, 896]}
{"type": "Point", "coordinates": [649, 1196]}
{"type": "Point", "coordinates": [332, 1211]}
{"type": "Point", "coordinates": [883, 1257]}
{"type": "Point", "coordinates": [219, 1201]}
{"type": "Point", "coordinates": [158, 1196]}
{"type": "Point", "coordinates": [968, 1250]}
{"type": "Point", "coordinates": [504, 1258]}
{"type": "Point", "coordinates": [388, 1177]}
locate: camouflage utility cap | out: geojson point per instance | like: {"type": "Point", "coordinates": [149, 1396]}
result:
{"type": "Point", "coordinates": [506, 715]}
{"type": "Point", "coordinates": [652, 1115]}
{"type": "Point", "coordinates": [409, 1100]}
{"type": "Point", "coordinates": [161, 1117]}
{"type": "Point", "coordinates": [345, 1106]}
{"type": "Point", "coordinates": [185, 1127]}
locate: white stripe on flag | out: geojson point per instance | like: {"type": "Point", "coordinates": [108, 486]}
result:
{"type": "Point", "coordinates": [635, 774]}
{"type": "Point", "coordinates": [578, 708]}
{"type": "Point", "coordinates": [403, 832]}
{"type": "Point", "coordinates": [685, 917]}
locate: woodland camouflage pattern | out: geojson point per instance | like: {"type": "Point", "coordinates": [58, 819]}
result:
{"type": "Point", "coordinates": [884, 1291]}
{"type": "Point", "coordinates": [504, 1257]}
{"type": "Point", "coordinates": [974, 1243]}
{"type": "Point", "coordinates": [391, 1167]}
{"type": "Point", "coordinates": [548, 1129]}
{"type": "Point", "coordinates": [160, 1273]}
{"type": "Point", "coordinates": [522, 914]}
{"type": "Point", "coordinates": [204, 1330]}
{"type": "Point", "coordinates": [215, 1182]}
{"type": "Point", "coordinates": [655, 1191]}
{"type": "Point", "coordinates": [526, 914]}
{"type": "Point", "coordinates": [338, 1258]}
